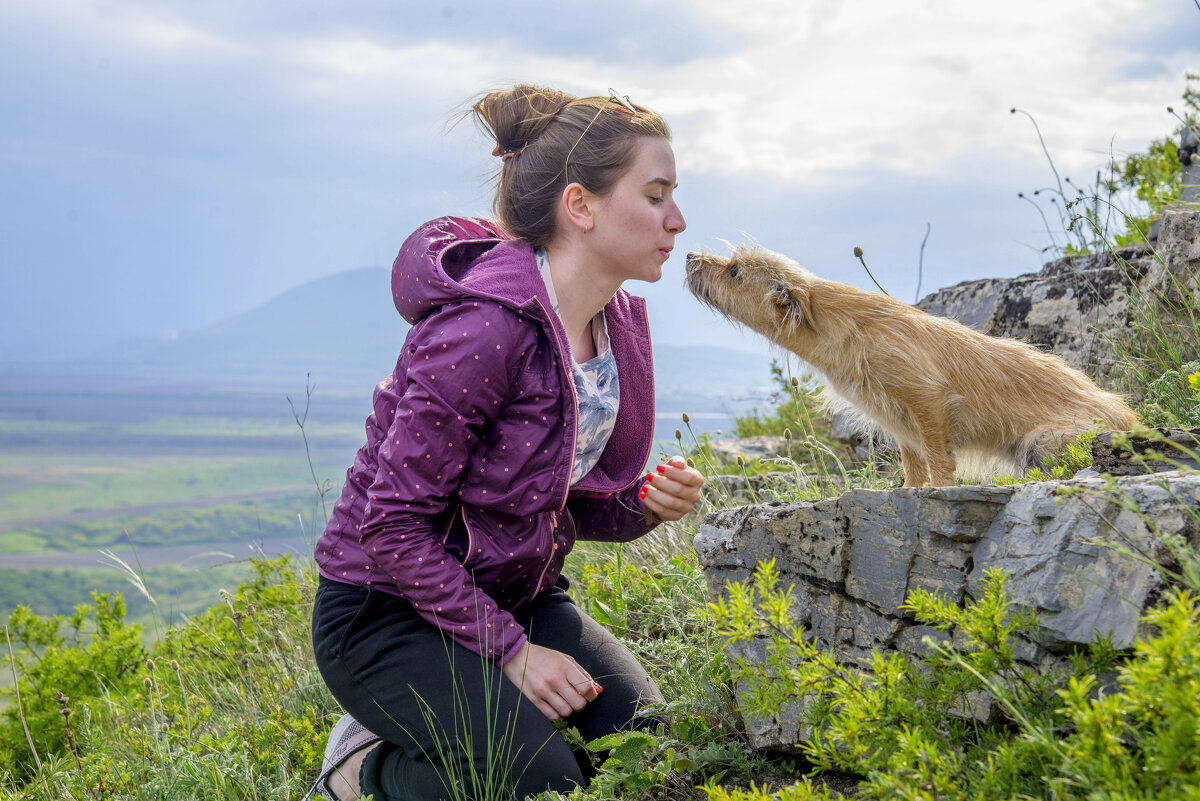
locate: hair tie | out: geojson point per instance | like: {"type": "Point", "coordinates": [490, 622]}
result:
{"type": "Point", "coordinates": [505, 155]}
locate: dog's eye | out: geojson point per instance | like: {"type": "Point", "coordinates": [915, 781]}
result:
{"type": "Point", "coordinates": [733, 269]}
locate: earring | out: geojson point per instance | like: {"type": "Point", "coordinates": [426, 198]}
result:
{"type": "Point", "coordinates": [587, 227]}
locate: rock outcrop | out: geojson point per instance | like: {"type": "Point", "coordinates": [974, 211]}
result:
{"type": "Point", "coordinates": [1079, 306]}
{"type": "Point", "coordinates": [1075, 553]}
{"type": "Point", "coordinates": [1083, 558]}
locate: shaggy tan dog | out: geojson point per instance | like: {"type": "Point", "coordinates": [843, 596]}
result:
{"type": "Point", "coordinates": [944, 392]}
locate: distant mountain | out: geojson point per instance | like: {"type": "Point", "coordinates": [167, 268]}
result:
{"type": "Point", "coordinates": [344, 330]}
{"type": "Point", "coordinates": [342, 327]}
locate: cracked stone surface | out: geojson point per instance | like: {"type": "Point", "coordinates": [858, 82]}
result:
{"type": "Point", "coordinates": [1075, 551]}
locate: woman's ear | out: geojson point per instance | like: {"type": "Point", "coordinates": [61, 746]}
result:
{"type": "Point", "coordinates": [577, 206]}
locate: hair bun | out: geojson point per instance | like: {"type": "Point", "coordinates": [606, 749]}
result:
{"type": "Point", "coordinates": [517, 116]}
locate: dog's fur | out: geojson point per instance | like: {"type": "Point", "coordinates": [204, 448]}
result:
{"type": "Point", "coordinates": [944, 392]}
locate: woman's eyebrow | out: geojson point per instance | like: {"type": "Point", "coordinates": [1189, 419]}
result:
{"type": "Point", "coordinates": [663, 182]}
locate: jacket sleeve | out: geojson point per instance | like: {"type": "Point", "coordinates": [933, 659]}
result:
{"type": "Point", "coordinates": [458, 379]}
{"type": "Point", "coordinates": [618, 518]}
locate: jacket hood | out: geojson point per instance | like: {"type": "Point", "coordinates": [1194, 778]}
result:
{"type": "Point", "coordinates": [451, 258]}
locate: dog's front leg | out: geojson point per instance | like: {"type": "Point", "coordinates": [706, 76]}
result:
{"type": "Point", "coordinates": [916, 469]}
{"type": "Point", "coordinates": [934, 429]}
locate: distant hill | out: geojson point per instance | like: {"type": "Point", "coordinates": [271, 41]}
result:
{"type": "Point", "coordinates": [341, 327]}
{"type": "Point", "coordinates": [344, 330]}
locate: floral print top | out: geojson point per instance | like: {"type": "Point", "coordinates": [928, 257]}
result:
{"type": "Point", "coordinates": [596, 385]}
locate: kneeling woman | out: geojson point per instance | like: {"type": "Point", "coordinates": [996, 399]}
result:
{"type": "Point", "coordinates": [518, 419]}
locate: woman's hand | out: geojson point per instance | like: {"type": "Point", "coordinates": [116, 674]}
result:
{"type": "Point", "coordinates": [673, 491]}
{"type": "Point", "coordinates": [552, 680]}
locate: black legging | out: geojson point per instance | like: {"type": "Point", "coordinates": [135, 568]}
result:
{"type": "Point", "coordinates": [450, 718]}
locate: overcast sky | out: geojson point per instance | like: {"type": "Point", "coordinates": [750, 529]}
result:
{"type": "Point", "coordinates": [166, 164]}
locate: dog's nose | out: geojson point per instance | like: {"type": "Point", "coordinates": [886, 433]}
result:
{"type": "Point", "coordinates": [733, 269]}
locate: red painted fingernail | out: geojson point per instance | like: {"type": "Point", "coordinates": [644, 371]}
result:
{"type": "Point", "coordinates": [599, 689]}
{"type": "Point", "coordinates": [649, 476]}
{"type": "Point", "coordinates": [642, 494]}
{"type": "Point", "coordinates": [662, 468]}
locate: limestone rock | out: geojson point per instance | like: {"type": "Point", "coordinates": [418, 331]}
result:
{"type": "Point", "coordinates": [854, 559]}
{"type": "Point", "coordinates": [1067, 308]}
{"type": "Point", "coordinates": [1180, 445]}
{"type": "Point", "coordinates": [1077, 306]}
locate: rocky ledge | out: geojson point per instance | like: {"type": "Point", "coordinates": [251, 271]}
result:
{"type": "Point", "coordinates": [1080, 552]}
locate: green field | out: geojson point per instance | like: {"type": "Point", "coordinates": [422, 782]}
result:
{"type": "Point", "coordinates": [146, 469]}
{"type": "Point", "coordinates": [148, 472]}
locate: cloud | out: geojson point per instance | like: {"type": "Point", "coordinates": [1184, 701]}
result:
{"type": "Point", "coordinates": [171, 162]}
{"type": "Point", "coordinates": [819, 89]}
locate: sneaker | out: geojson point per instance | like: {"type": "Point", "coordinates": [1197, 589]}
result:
{"type": "Point", "coordinates": [347, 738]}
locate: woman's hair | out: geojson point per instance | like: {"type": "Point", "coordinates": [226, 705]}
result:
{"type": "Point", "coordinates": [548, 139]}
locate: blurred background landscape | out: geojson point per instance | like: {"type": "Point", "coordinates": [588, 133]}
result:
{"type": "Point", "coordinates": [176, 454]}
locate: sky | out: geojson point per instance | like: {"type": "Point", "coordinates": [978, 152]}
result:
{"type": "Point", "coordinates": [167, 164]}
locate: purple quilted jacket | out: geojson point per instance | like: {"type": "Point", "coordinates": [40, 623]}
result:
{"type": "Point", "coordinates": [459, 500]}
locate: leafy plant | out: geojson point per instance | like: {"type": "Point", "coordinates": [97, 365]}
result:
{"type": "Point", "coordinates": [1107, 726]}
{"type": "Point", "coordinates": [88, 655]}
{"type": "Point", "coordinates": [227, 705]}
{"type": "Point", "coordinates": [1120, 204]}
{"type": "Point", "coordinates": [1173, 399]}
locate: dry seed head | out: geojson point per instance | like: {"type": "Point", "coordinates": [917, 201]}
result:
{"type": "Point", "coordinates": [795, 382]}
{"type": "Point", "coordinates": [678, 434]}
{"type": "Point", "coordinates": [858, 252]}
{"type": "Point", "coordinates": [686, 419]}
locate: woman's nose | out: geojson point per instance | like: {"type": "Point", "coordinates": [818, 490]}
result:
{"type": "Point", "coordinates": [675, 222]}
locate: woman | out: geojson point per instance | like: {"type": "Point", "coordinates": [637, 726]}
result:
{"type": "Point", "coordinates": [519, 418]}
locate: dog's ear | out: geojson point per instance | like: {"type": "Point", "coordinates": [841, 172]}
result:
{"type": "Point", "coordinates": [795, 305]}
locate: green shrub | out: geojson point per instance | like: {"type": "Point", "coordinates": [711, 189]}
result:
{"type": "Point", "coordinates": [920, 728]}
{"type": "Point", "coordinates": [89, 656]}
{"type": "Point", "coordinates": [226, 706]}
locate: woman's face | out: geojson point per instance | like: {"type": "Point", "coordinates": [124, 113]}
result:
{"type": "Point", "coordinates": [636, 223]}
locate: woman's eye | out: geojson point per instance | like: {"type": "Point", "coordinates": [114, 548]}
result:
{"type": "Point", "coordinates": [656, 200]}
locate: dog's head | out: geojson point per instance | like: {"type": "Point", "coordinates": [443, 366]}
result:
{"type": "Point", "coordinates": [766, 291]}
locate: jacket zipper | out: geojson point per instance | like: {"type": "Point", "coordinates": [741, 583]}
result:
{"type": "Point", "coordinates": [553, 550]}
{"type": "Point", "coordinates": [650, 355]}
{"type": "Point", "coordinates": [564, 355]}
